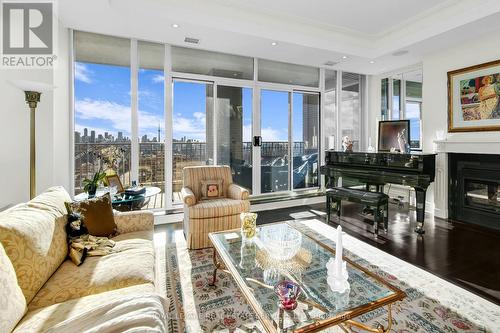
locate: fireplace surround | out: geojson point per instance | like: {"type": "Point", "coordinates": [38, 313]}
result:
{"type": "Point", "coordinates": [474, 189]}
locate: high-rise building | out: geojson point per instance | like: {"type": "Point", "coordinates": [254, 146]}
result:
{"type": "Point", "coordinates": [92, 136]}
{"type": "Point", "coordinates": [120, 136]}
{"type": "Point", "coordinates": [77, 137]}
{"type": "Point", "coordinates": [85, 132]}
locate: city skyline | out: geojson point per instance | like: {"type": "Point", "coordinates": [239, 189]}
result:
{"type": "Point", "coordinates": [102, 104]}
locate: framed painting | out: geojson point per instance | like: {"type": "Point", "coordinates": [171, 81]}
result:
{"type": "Point", "coordinates": [474, 98]}
{"type": "Point", "coordinates": [114, 181]}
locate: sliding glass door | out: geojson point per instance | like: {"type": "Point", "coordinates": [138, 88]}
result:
{"type": "Point", "coordinates": [234, 132]}
{"type": "Point", "coordinates": [274, 164]}
{"type": "Point", "coordinates": [192, 124]}
{"type": "Point", "coordinates": [305, 149]}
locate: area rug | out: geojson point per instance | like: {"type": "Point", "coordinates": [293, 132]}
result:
{"type": "Point", "coordinates": [432, 304]}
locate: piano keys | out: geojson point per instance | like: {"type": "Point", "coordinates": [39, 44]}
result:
{"type": "Point", "coordinates": [415, 170]}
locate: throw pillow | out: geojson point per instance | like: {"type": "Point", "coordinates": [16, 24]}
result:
{"type": "Point", "coordinates": [211, 189]}
{"type": "Point", "coordinates": [97, 215]}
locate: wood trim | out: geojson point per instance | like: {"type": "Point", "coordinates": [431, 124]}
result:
{"type": "Point", "coordinates": [450, 76]}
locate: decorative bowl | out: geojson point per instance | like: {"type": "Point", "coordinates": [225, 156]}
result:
{"type": "Point", "coordinates": [288, 292]}
{"type": "Point", "coordinates": [281, 241]}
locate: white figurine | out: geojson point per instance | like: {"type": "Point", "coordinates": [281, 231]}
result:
{"type": "Point", "coordinates": [347, 144]}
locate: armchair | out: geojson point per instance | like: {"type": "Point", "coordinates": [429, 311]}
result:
{"type": "Point", "coordinates": [204, 216]}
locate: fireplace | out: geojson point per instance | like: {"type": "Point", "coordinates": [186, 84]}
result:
{"type": "Point", "coordinates": [474, 189]}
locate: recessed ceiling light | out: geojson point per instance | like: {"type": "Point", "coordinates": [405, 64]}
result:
{"type": "Point", "coordinates": [345, 57]}
{"type": "Point", "coordinates": [330, 63]}
{"type": "Point", "coordinates": [274, 43]}
{"type": "Point", "coordinates": [372, 61]}
{"type": "Point", "coordinates": [175, 25]}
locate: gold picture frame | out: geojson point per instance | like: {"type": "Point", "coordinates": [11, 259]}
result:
{"type": "Point", "coordinates": [114, 180]}
{"type": "Point", "coordinates": [474, 98]}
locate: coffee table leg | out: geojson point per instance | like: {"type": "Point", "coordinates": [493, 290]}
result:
{"type": "Point", "coordinates": [217, 265]}
{"type": "Point", "coordinates": [380, 329]}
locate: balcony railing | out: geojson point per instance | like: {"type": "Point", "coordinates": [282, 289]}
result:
{"type": "Point", "coordinates": [90, 157]}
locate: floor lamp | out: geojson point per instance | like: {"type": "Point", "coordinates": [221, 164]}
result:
{"type": "Point", "coordinates": [32, 98]}
{"type": "Point", "coordinates": [32, 92]}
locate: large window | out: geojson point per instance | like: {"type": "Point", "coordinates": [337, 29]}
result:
{"type": "Point", "coordinates": [350, 110]}
{"type": "Point", "coordinates": [146, 110]}
{"type": "Point", "coordinates": [102, 107]}
{"type": "Point", "coordinates": [192, 123]}
{"type": "Point", "coordinates": [151, 119]}
{"type": "Point", "coordinates": [275, 108]}
{"type": "Point", "coordinates": [405, 102]}
{"type": "Point", "coordinates": [305, 131]}
{"type": "Point", "coordinates": [234, 132]}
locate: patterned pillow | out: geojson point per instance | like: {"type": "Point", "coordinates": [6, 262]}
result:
{"type": "Point", "coordinates": [212, 189]}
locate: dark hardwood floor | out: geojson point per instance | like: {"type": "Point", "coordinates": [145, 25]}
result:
{"type": "Point", "coordinates": [463, 254]}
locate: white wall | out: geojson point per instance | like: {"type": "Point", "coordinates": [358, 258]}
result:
{"type": "Point", "coordinates": [52, 131]}
{"type": "Point", "coordinates": [435, 104]}
{"type": "Point", "coordinates": [435, 100]}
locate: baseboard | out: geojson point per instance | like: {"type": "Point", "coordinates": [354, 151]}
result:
{"type": "Point", "coordinates": [288, 203]}
{"type": "Point", "coordinates": [441, 213]}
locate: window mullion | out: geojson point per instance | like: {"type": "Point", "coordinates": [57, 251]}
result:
{"type": "Point", "coordinates": [134, 167]}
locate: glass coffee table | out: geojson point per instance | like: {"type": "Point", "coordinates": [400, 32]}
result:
{"type": "Point", "coordinates": [256, 268]}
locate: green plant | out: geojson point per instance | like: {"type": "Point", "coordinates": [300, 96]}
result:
{"type": "Point", "coordinates": [91, 184]}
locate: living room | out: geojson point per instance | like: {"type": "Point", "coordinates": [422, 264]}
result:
{"type": "Point", "coordinates": [284, 166]}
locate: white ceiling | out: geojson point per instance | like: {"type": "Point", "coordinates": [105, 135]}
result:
{"type": "Point", "coordinates": [307, 32]}
{"type": "Point", "coordinates": [372, 17]}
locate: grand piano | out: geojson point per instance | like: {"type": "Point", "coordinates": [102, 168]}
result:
{"type": "Point", "coordinates": [415, 170]}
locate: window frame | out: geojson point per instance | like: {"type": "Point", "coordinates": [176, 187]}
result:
{"type": "Point", "coordinates": [402, 101]}
{"type": "Point", "coordinates": [256, 87]}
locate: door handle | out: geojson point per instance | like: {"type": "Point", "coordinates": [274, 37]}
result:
{"type": "Point", "coordinates": [257, 141]}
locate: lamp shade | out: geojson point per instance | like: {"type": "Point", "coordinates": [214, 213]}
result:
{"type": "Point", "coordinates": [26, 85]}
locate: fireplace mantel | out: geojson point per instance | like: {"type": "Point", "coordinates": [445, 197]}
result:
{"type": "Point", "coordinates": [465, 143]}
{"type": "Point", "coordinates": [488, 146]}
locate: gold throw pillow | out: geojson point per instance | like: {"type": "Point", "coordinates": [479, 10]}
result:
{"type": "Point", "coordinates": [97, 215]}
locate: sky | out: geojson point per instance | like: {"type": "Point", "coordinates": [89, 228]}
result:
{"type": "Point", "coordinates": [102, 103]}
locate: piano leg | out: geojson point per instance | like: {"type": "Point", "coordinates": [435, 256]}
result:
{"type": "Point", "coordinates": [420, 196]}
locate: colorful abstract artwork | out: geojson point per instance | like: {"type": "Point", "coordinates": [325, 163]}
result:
{"type": "Point", "coordinates": [474, 98]}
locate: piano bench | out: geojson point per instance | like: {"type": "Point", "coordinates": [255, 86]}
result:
{"type": "Point", "coordinates": [377, 200]}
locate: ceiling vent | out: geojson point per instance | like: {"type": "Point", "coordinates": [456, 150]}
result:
{"type": "Point", "coordinates": [400, 53]}
{"type": "Point", "coordinates": [331, 63]}
{"type": "Point", "coordinates": [192, 40]}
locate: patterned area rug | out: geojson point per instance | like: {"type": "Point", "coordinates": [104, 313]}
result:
{"type": "Point", "coordinates": [432, 304]}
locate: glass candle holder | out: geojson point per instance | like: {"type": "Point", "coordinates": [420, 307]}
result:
{"type": "Point", "coordinates": [288, 292]}
{"type": "Point", "coordinates": [248, 224]}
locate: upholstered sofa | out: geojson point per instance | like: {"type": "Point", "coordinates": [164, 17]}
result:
{"type": "Point", "coordinates": [204, 216]}
{"type": "Point", "coordinates": [42, 289]}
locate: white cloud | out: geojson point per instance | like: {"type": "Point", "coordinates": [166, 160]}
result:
{"type": "Point", "coordinates": [82, 73]}
{"type": "Point", "coordinates": [247, 133]}
{"type": "Point", "coordinates": [118, 117]}
{"type": "Point", "coordinates": [271, 134]}
{"type": "Point", "coordinates": [192, 128]}
{"type": "Point", "coordinates": [158, 78]}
